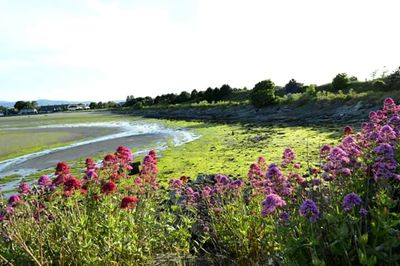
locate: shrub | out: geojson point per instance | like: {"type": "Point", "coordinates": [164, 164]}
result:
{"type": "Point", "coordinates": [341, 81]}
{"type": "Point", "coordinates": [379, 84]}
{"type": "Point", "coordinates": [263, 94]}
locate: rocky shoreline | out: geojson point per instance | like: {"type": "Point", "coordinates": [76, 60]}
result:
{"type": "Point", "coordinates": [307, 114]}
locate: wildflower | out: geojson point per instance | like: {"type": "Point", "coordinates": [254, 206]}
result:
{"type": "Point", "coordinates": [351, 200]}
{"type": "Point", "coordinates": [14, 200]}
{"type": "Point", "coordinates": [389, 104]}
{"type": "Point", "coordinates": [238, 183]}
{"type": "Point", "coordinates": [324, 151]}
{"type": "Point", "coordinates": [284, 217]}
{"type": "Point", "coordinates": [153, 155]}
{"type": "Point", "coordinates": [90, 163]}
{"type": "Point", "coordinates": [24, 188]}
{"type": "Point", "coordinates": [44, 181]}
{"type": "Point", "coordinates": [124, 153]}
{"type": "Point", "coordinates": [206, 192]}
{"type": "Point", "coordinates": [51, 217]}
{"type": "Point", "coordinates": [297, 165]}
{"type": "Point", "coordinates": [254, 171]}
{"type": "Point", "coordinates": [387, 134]}
{"type": "Point", "coordinates": [222, 180]}
{"type": "Point", "coordinates": [192, 195]}
{"type": "Point", "coordinates": [274, 172]}
{"type": "Point", "coordinates": [108, 187]}
{"type": "Point", "coordinates": [348, 130]}
{"type": "Point", "coordinates": [71, 183]}
{"type": "Point", "coordinates": [175, 184]}
{"type": "Point", "coordinates": [9, 210]}
{"type": "Point", "coordinates": [270, 204]}
{"type": "Point", "coordinates": [109, 160]}
{"type": "Point", "coordinates": [316, 182]}
{"type": "Point", "coordinates": [385, 149]}
{"type": "Point", "coordinates": [62, 168]}
{"type": "Point", "coordinates": [309, 210]}
{"type": "Point", "coordinates": [288, 156]}
{"type": "Point", "coordinates": [138, 181]}
{"type": "Point", "coordinates": [363, 212]}
{"type": "Point", "coordinates": [129, 202]}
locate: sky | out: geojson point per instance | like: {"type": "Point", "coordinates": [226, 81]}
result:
{"type": "Point", "coordinates": [100, 50]}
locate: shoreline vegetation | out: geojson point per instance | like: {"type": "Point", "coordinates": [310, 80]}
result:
{"type": "Point", "coordinates": [304, 206]}
{"type": "Point", "coordinates": [293, 175]}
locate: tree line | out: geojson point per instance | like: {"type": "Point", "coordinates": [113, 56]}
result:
{"type": "Point", "coordinates": [266, 92]}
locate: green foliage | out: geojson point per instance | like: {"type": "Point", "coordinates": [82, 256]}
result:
{"type": "Point", "coordinates": [263, 94]}
{"type": "Point", "coordinates": [293, 87]}
{"type": "Point", "coordinates": [341, 81]}
{"type": "Point", "coordinates": [19, 105]}
{"type": "Point", "coordinates": [379, 84]}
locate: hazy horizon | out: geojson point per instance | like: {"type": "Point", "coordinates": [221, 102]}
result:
{"type": "Point", "coordinates": [100, 50]}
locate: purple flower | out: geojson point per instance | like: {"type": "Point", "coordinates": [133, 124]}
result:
{"type": "Point", "coordinates": [222, 180]}
{"type": "Point", "coordinates": [385, 149]}
{"type": "Point", "coordinates": [351, 200]}
{"type": "Point", "coordinates": [324, 151]}
{"type": "Point", "coordinates": [270, 204]}
{"type": "Point", "coordinates": [274, 171]}
{"type": "Point", "coordinates": [284, 217]}
{"type": "Point", "coordinates": [387, 134]}
{"type": "Point", "coordinates": [237, 184]}
{"type": "Point", "coordinates": [24, 188]}
{"type": "Point", "coordinates": [175, 184]}
{"type": "Point", "coordinates": [45, 181]}
{"type": "Point", "coordinates": [14, 200]}
{"type": "Point", "coordinates": [288, 156]}
{"type": "Point", "coordinates": [309, 210]}
{"type": "Point", "coordinates": [363, 212]}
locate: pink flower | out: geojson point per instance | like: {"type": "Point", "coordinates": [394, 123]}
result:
{"type": "Point", "coordinates": [14, 200]}
{"type": "Point", "coordinates": [24, 188]}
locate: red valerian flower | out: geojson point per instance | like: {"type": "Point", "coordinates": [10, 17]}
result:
{"type": "Point", "coordinates": [62, 168]}
{"type": "Point", "coordinates": [71, 183]}
{"type": "Point", "coordinates": [129, 202]}
{"type": "Point", "coordinates": [108, 187]}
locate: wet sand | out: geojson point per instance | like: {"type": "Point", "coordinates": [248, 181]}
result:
{"type": "Point", "coordinates": [87, 150]}
{"type": "Point", "coordinates": [14, 140]}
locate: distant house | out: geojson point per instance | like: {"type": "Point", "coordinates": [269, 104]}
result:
{"type": "Point", "coordinates": [1, 114]}
{"type": "Point", "coordinates": [52, 108]}
{"type": "Point", "coordinates": [28, 111]}
{"type": "Point", "coordinates": [79, 106]}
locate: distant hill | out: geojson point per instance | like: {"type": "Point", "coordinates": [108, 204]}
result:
{"type": "Point", "coordinates": [43, 102]}
{"type": "Point", "coordinates": [6, 104]}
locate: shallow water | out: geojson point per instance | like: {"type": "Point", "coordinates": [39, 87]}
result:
{"type": "Point", "coordinates": [136, 135]}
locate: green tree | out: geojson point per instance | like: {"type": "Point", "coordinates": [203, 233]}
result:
{"type": "Point", "coordinates": [93, 105]}
{"type": "Point", "coordinates": [293, 87]}
{"type": "Point", "coordinates": [341, 82]}
{"type": "Point", "coordinates": [19, 105]}
{"type": "Point", "coordinates": [183, 97]}
{"type": "Point", "coordinates": [209, 95]}
{"type": "Point", "coordinates": [263, 94]}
